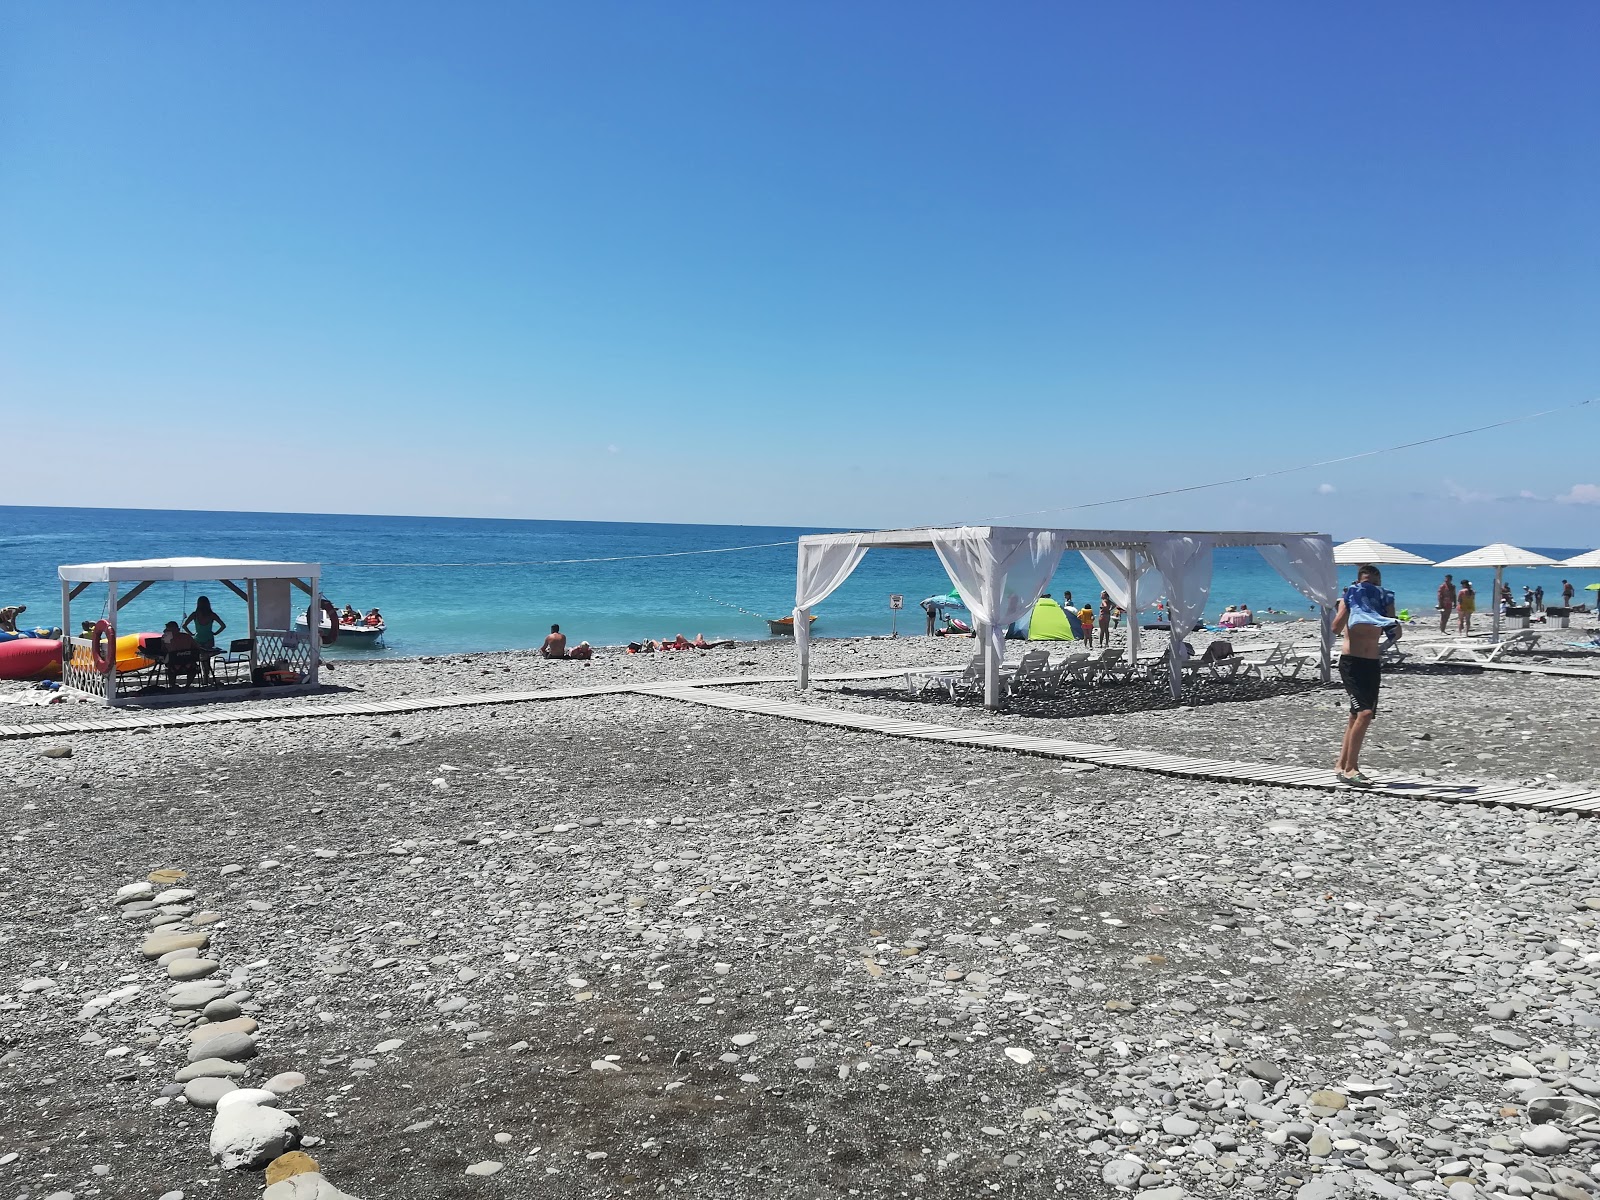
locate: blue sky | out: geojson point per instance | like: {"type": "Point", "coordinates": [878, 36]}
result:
{"type": "Point", "coordinates": [842, 265]}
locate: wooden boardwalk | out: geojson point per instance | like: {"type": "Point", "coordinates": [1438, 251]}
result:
{"type": "Point", "coordinates": [1575, 800]}
{"type": "Point", "coordinates": [225, 713]}
{"type": "Point", "coordinates": [701, 691]}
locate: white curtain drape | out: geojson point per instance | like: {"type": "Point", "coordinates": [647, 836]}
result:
{"type": "Point", "coordinates": [1000, 573]}
{"type": "Point", "coordinates": [1307, 563]}
{"type": "Point", "coordinates": [1110, 567]}
{"type": "Point", "coordinates": [1184, 561]}
{"type": "Point", "coordinates": [822, 567]}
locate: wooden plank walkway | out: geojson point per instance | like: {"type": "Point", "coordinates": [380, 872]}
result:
{"type": "Point", "coordinates": [1577, 800]}
{"type": "Point", "coordinates": [700, 691]}
{"type": "Point", "coordinates": [223, 713]}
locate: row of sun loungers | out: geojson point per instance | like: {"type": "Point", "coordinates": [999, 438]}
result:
{"type": "Point", "coordinates": [1037, 673]}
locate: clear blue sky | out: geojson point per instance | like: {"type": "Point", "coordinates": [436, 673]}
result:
{"type": "Point", "coordinates": [831, 264]}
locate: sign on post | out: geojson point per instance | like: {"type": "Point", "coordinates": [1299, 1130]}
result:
{"type": "Point", "coordinates": [897, 602]}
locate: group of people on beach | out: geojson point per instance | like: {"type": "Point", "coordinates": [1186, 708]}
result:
{"type": "Point", "coordinates": [1462, 601]}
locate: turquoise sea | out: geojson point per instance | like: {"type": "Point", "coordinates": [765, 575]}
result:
{"type": "Point", "coordinates": [468, 606]}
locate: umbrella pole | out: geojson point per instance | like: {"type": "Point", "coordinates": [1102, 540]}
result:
{"type": "Point", "coordinates": [1498, 573]}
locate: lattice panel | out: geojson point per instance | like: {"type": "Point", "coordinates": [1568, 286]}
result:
{"type": "Point", "coordinates": [277, 648]}
{"type": "Point", "coordinates": [77, 668]}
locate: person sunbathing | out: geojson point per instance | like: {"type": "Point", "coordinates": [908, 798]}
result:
{"type": "Point", "coordinates": [700, 643]}
{"type": "Point", "coordinates": [582, 651]}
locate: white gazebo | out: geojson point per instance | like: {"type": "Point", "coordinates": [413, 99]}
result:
{"type": "Point", "coordinates": [1001, 570]}
{"type": "Point", "coordinates": [89, 662]}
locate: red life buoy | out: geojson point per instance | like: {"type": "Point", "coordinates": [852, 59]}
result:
{"type": "Point", "coordinates": [330, 634]}
{"type": "Point", "coordinates": [97, 648]}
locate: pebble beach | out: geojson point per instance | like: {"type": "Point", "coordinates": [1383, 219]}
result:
{"type": "Point", "coordinates": [626, 946]}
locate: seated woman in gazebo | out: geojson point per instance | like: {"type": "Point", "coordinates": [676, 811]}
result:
{"type": "Point", "coordinates": [182, 653]}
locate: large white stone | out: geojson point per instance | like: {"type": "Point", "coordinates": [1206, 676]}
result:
{"type": "Point", "coordinates": [250, 1136]}
{"type": "Point", "coordinates": [249, 1096]}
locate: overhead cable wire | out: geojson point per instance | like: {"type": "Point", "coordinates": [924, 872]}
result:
{"type": "Point", "coordinates": [1311, 466]}
{"type": "Point", "coordinates": [1175, 491]}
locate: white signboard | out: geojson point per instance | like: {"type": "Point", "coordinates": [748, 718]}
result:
{"type": "Point", "coordinates": [897, 602]}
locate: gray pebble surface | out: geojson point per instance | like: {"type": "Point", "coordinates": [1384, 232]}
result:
{"type": "Point", "coordinates": [629, 946]}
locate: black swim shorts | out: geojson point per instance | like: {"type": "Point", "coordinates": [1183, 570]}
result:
{"type": "Point", "coordinates": [1361, 677]}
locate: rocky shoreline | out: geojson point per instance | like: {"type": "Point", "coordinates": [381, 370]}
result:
{"type": "Point", "coordinates": [624, 946]}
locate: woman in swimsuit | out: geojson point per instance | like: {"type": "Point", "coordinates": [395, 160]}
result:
{"type": "Point", "coordinates": [206, 627]}
{"type": "Point", "coordinates": [1466, 605]}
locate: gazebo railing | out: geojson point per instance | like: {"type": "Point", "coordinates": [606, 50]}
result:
{"type": "Point", "coordinates": [285, 650]}
{"type": "Point", "coordinates": [77, 668]}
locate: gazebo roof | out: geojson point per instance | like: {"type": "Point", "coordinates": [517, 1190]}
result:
{"type": "Point", "coordinates": [1074, 539]}
{"type": "Point", "coordinates": [159, 570]}
{"type": "Point", "coordinates": [1589, 559]}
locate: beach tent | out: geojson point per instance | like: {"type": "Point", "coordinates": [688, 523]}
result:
{"type": "Point", "coordinates": [1366, 550]}
{"type": "Point", "coordinates": [1048, 623]}
{"type": "Point", "coordinates": [1499, 555]}
{"type": "Point", "coordinates": [1001, 570]}
{"type": "Point", "coordinates": [267, 588]}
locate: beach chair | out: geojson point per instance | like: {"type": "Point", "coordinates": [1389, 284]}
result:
{"type": "Point", "coordinates": [234, 665]}
{"type": "Point", "coordinates": [920, 682]}
{"type": "Point", "coordinates": [1477, 652]}
{"type": "Point", "coordinates": [1111, 662]}
{"type": "Point", "coordinates": [1030, 674]}
{"type": "Point", "coordinates": [1282, 658]}
{"type": "Point", "coordinates": [1074, 668]}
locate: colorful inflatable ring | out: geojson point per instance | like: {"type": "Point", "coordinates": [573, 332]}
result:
{"type": "Point", "coordinates": [97, 646]}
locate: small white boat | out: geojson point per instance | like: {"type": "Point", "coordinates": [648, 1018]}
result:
{"type": "Point", "coordinates": [357, 635]}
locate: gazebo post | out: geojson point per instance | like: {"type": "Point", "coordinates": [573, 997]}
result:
{"type": "Point", "coordinates": [802, 644]}
{"type": "Point", "coordinates": [314, 627]}
{"type": "Point", "coordinates": [66, 629]}
{"type": "Point", "coordinates": [111, 650]}
{"type": "Point", "coordinates": [991, 667]}
{"type": "Point", "coordinates": [1132, 582]}
{"type": "Point", "coordinates": [250, 604]}
{"type": "Point", "coordinates": [1327, 643]}
{"type": "Point", "coordinates": [1499, 573]}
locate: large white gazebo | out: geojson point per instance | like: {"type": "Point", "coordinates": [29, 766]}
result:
{"type": "Point", "coordinates": [89, 663]}
{"type": "Point", "coordinates": [1001, 570]}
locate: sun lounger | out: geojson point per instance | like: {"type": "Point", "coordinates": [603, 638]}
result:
{"type": "Point", "coordinates": [1031, 674]}
{"type": "Point", "coordinates": [921, 681]}
{"type": "Point", "coordinates": [1110, 662]}
{"type": "Point", "coordinates": [1282, 658]}
{"type": "Point", "coordinates": [1477, 652]}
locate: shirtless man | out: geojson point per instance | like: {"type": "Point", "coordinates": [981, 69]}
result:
{"type": "Point", "coordinates": [9, 615]}
{"type": "Point", "coordinates": [1365, 612]}
{"type": "Point", "coordinates": [555, 646]}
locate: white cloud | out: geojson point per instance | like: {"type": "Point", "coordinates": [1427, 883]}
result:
{"type": "Point", "coordinates": [1326, 489]}
{"type": "Point", "coordinates": [1581, 493]}
{"type": "Point", "coordinates": [613, 448]}
{"type": "Point", "coordinates": [1461, 495]}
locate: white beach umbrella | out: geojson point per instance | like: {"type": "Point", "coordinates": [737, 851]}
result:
{"type": "Point", "coordinates": [1365, 550]}
{"type": "Point", "coordinates": [1591, 559]}
{"type": "Point", "coordinates": [1500, 555]}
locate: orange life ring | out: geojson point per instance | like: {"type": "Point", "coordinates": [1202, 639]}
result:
{"type": "Point", "coordinates": [97, 646]}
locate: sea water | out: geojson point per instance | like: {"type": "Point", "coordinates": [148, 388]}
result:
{"type": "Point", "coordinates": [452, 584]}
